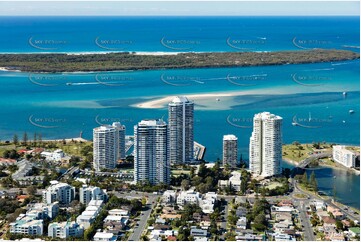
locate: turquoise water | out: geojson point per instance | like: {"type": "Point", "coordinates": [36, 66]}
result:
{"type": "Point", "coordinates": [310, 93]}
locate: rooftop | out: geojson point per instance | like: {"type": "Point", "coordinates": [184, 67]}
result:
{"type": "Point", "coordinates": [267, 116]}
{"type": "Point", "coordinates": [229, 137]}
{"type": "Point", "coordinates": [180, 99]}
{"type": "Point", "coordinates": [151, 122]}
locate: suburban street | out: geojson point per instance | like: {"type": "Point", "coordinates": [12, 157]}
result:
{"type": "Point", "coordinates": [224, 218]}
{"type": "Point", "coordinates": [305, 221]}
{"type": "Point", "coordinates": [143, 218]}
{"type": "Point", "coordinates": [327, 201]}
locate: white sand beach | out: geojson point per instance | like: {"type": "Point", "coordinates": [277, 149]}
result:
{"type": "Point", "coordinates": [209, 101]}
{"type": "Point", "coordinates": [6, 69]}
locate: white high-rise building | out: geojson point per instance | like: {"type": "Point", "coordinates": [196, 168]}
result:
{"type": "Point", "coordinates": [151, 161]}
{"type": "Point", "coordinates": [230, 148]}
{"type": "Point", "coordinates": [108, 146]}
{"type": "Point", "coordinates": [58, 191]}
{"type": "Point", "coordinates": [181, 120]}
{"type": "Point", "coordinates": [265, 147]}
{"type": "Point", "coordinates": [121, 139]}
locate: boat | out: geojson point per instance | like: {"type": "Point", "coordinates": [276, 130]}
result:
{"type": "Point", "coordinates": [344, 93]}
{"type": "Point", "coordinates": [69, 83]}
{"type": "Point", "coordinates": [351, 111]}
{"type": "Point", "coordinates": [218, 99]}
{"type": "Point", "coordinates": [294, 124]}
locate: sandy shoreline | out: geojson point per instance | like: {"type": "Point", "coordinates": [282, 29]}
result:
{"type": "Point", "coordinates": [7, 69]}
{"type": "Point", "coordinates": [219, 101]}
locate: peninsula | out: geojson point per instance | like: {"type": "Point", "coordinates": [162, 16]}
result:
{"type": "Point", "coordinates": [60, 62]}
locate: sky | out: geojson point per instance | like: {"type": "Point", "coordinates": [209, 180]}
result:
{"type": "Point", "coordinates": [184, 8]}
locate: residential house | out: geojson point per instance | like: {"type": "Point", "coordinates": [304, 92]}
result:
{"type": "Point", "coordinates": [104, 236]}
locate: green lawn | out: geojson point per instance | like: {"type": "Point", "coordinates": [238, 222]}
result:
{"type": "Point", "coordinates": [273, 185]}
{"type": "Point", "coordinates": [300, 152]}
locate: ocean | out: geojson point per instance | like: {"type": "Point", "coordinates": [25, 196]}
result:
{"type": "Point", "coordinates": [317, 96]}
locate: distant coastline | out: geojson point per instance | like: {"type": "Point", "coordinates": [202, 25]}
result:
{"type": "Point", "coordinates": [125, 61]}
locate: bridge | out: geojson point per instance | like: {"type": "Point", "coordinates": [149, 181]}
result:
{"type": "Point", "coordinates": [304, 163]}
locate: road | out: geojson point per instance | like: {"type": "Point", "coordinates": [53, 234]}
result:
{"type": "Point", "coordinates": [301, 204]}
{"type": "Point", "coordinates": [306, 161]}
{"type": "Point", "coordinates": [327, 201]}
{"type": "Point", "coordinates": [143, 218]}
{"type": "Point", "coordinates": [305, 221]}
{"type": "Point", "coordinates": [224, 218]}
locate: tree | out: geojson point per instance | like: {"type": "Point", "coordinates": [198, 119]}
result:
{"type": "Point", "coordinates": [15, 139]}
{"type": "Point", "coordinates": [25, 138]}
{"type": "Point", "coordinates": [304, 178]}
{"type": "Point", "coordinates": [35, 139]}
{"type": "Point", "coordinates": [192, 172]}
{"type": "Point", "coordinates": [286, 172]}
{"type": "Point", "coordinates": [185, 184]}
{"type": "Point", "coordinates": [339, 225]}
{"type": "Point", "coordinates": [313, 181]}
{"type": "Point", "coordinates": [144, 201]}
{"type": "Point", "coordinates": [296, 143]}
{"type": "Point", "coordinates": [216, 167]}
{"type": "Point", "coordinates": [40, 140]}
{"type": "Point", "coordinates": [31, 190]}
{"type": "Point", "coordinates": [202, 170]}
{"type": "Point", "coordinates": [260, 222]}
{"type": "Point", "coordinates": [242, 163]}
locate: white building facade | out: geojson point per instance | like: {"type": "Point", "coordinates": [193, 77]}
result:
{"type": "Point", "coordinates": [265, 148]}
{"type": "Point", "coordinates": [88, 193]}
{"type": "Point", "coordinates": [105, 147]}
{"type": "Point", "coordinates": [27, 226]}
{"type": "Point", "coordinates": [343, 156]}
{"type": "Point", "coordinates": [65, 230]}
{"type": "Point", "coordinates": [181, 137]}
{"type": "Point", "coordinates": [58, 191]}
{"type": "Point", "coordinates": [151, 158]}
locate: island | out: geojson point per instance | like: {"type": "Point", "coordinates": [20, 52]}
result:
{"type": "Point", "coordinates": [121, 61]}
